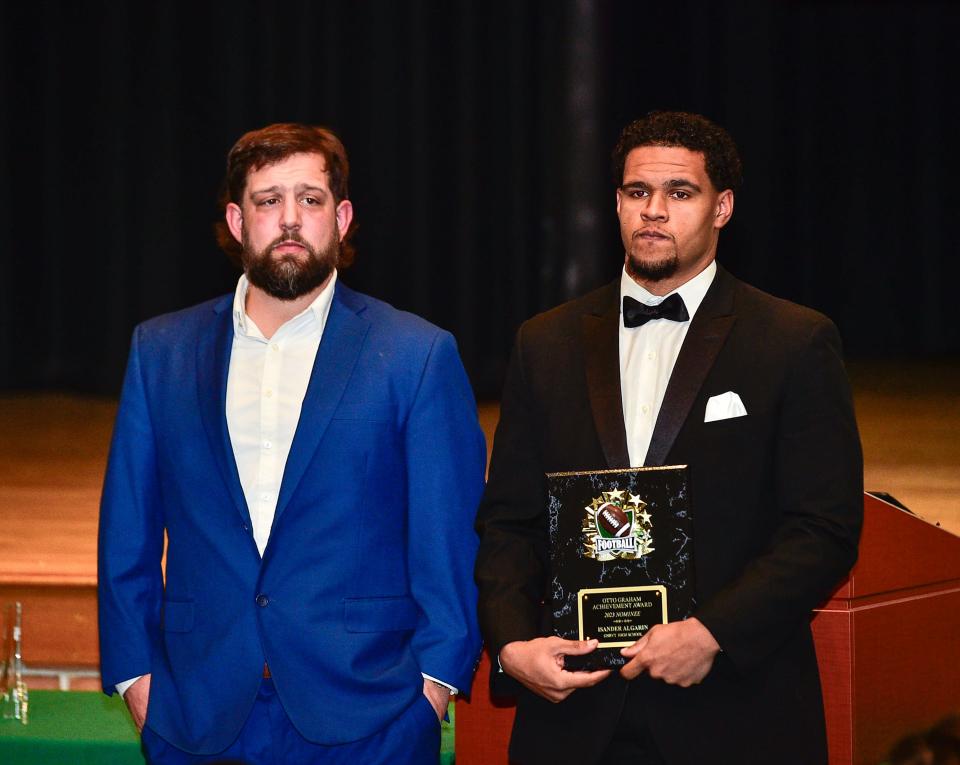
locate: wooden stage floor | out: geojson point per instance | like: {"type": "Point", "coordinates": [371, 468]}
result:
{"type": "Point", "coordinates": [54, 447]}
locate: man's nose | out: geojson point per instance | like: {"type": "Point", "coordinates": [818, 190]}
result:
{"type": "Point", "coordinates": [290, 217]}
{"type": "Point", "coordinates": [656, 208]}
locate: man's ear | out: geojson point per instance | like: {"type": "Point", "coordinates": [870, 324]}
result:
{"type": "Point", "coordinates": [724, 209]}
{"type": "Point", "coordinates": [234, 216]}
{"type": "Point", "coordinates": [344, 217]}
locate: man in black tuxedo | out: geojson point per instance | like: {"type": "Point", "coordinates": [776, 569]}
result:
{"type": "Point", "coordinates": [677, 362]}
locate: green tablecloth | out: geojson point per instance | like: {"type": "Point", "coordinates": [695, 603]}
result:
{"type": "Point", "coordinates": [71, 728]}
{"type": "Point", "coordinates": [87, 728]}
{"type": "Point", "coordinates": [446, 739]}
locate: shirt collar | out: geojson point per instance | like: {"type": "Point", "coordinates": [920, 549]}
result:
{"type": "Point", "coordinates": [317, 311]}
{"type": "Point", "coordinates": [692, 291]}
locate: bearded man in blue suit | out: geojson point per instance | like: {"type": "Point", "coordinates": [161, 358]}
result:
{"type": "Point", "coordinates": [314, 459]}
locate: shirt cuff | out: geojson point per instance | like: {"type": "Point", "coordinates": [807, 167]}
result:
{"type": "Point", "coordinates": [453, 691]}
{"type": "Point", "coordinates": [122, 687]}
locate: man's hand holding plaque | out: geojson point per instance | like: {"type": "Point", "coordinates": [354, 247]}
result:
{"type": "Point", "coordinates": [678, 653]}
{"type": "Point", "coordinates": [539, 665]}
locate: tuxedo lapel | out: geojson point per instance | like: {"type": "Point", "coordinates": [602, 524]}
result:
{"type": "Point", "coordinates": [601, 348]}
{"type": "Point", "coordinates": [213, 365]}
{"type": "Point", "coordinates": [703, 342]}
{"type": "Point", "coordinates": [337, 355]}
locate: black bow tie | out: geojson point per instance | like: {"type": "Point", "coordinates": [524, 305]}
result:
{"type": "Point", "coordinates": [636, 314]}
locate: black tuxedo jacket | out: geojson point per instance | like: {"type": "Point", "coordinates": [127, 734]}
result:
{"type": "Point", "coordinates": [777, 509]}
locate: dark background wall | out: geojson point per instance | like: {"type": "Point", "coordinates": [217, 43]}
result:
{"type": "Point", "coordinates": [479, 135]}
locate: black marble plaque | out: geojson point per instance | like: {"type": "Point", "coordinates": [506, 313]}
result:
{"type": "Point", "coordinates": [621, 553]}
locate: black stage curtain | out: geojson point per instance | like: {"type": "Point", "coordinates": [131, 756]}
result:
{"type": "Point", "coordinates": [479, 135]}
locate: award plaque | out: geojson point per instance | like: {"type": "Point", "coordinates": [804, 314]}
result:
{"type": "Point", "coordinates": [621, 555]}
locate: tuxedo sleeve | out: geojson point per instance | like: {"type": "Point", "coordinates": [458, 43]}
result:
{"type": "Point", "coordinates": [446, 455]}
{"type": "Point", "coordinates": [818, 489]}
{"type": "Point", "coordinates": [130, 544]}
{"type": "Point", "coordinates": [512, 561]}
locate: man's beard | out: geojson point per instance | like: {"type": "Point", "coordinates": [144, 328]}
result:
{"type": "Point", "coordinates": [646, 270]}
{"type": "Point", "coordinates": [289, 276]}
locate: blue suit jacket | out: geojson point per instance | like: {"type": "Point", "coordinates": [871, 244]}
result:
{"type": "Point", "coordinates": [367, 577]}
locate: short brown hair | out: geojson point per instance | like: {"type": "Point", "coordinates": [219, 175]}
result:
{"type": "Point", "coordinates": [273, 144]}
{"type": "Point", "coordinates": [687, 131]}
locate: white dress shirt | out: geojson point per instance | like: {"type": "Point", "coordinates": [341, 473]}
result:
{"type": "Point", "coordinates": [265, 389]}
{"type": "Point", "coordinates": [647, 356]}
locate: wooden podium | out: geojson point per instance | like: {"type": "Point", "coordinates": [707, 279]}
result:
{"type": "Point", "coordinates": [888, 641]}
{"type": "Point", "coordinates": [888, 646]}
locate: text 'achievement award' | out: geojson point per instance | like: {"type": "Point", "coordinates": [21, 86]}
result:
{"type": "Point", "coordinates": [621, 553]}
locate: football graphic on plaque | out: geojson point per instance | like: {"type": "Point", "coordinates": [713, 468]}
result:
{"type": "Point", "coordinates": [613, 520]}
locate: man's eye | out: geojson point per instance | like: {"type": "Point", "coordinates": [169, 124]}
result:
{"type": "Point", "coordinates": [636, 193]}
{"type": "Point", "coordinates": [681, 194]}
{"type": "Point", "coordinates": [309, 201]}
{"type": "Point", "coordinates": [268, 202]}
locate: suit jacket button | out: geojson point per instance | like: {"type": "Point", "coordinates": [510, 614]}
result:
{"type": "Point", "coordinates": [262, 600]}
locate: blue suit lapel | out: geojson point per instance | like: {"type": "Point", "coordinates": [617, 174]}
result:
{"type": "Point", "coordinates": [337, 355]}
{"type": "Point", "coordinates": [213, 365]}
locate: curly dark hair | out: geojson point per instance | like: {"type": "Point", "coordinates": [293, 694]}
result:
{"type": "Point", "coordinates": [273, 144]}
{"type": "Point", "coordinates": [686, 130]}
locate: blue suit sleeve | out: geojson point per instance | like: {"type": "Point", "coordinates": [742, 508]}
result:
{"type": "Point", "coordinates": [446, 457]}
{"type": "Point", "coordinates": [130, 545]}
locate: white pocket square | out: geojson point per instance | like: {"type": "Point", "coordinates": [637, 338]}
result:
{"type": "Point", "coordinates": [724, 406]}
